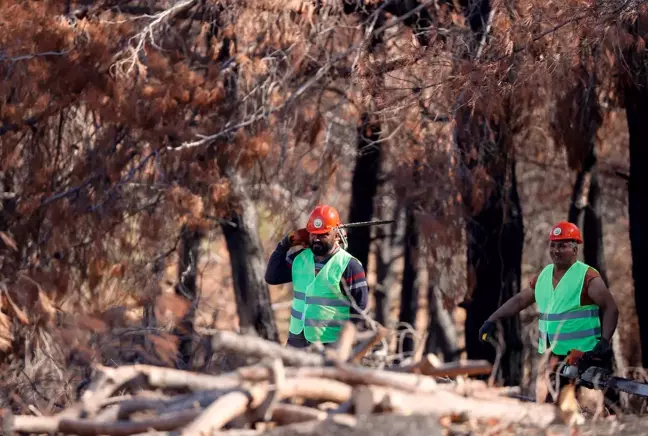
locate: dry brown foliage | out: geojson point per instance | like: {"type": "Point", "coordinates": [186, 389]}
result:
{"type": "Point", "coordinates": [116, 129]}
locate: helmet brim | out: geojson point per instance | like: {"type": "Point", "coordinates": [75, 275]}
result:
{"type": "Point", "coordinates": [322, 231]}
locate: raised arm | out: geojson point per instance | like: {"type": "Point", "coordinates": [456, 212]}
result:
{"type": "Point", "coordinates": [513, 306]}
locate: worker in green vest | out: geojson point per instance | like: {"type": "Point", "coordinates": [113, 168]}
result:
{"type": "Point", "coordinates": [576, 309]}
{"type": "Point", "coordinates": [329, 284]}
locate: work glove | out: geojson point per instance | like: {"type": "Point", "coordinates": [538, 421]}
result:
{"type": "Point", "coordinates": [487, 331]}
{"type": "Point", "coordinates": [601, 351]}
{"type": "Point", "coordinates": [295, 238]}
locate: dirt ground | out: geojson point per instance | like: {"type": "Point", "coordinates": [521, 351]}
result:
{"type": "Point", "coordinates": [428, 425]}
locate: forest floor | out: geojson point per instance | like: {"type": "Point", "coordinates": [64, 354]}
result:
{"type": "Point", "coordinates": [428, 425]}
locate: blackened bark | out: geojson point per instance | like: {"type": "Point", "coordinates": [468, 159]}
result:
{"type": "Point", "coordinates": [410, 283]}
{"type": "Point", "coordinates": [386, 246]}
{"type": "Point", "coordinates": [593, 253]}
{"type": "Point", "coordinates": [494, 228]}
{"type": "Point", "coordinates": [585, 211]}
{"type": "Point", "coordinates": [579, 193]}
{"type": "Point", "coordinates": [495, 242]}
{"type": "Point", "coordinates": [248, 266]}
{"type": "Point", "coordinates": [442, 335]}
{"type": "Point", "coordinates": [363, 186]}
{"type": "Point", "coordinates": [187, 287]}
{"type": "Point", "coordinates": [636, 105]}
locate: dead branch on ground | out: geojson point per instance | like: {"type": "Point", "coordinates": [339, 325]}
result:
{"type": "Point", "coordinates": [287, 387]}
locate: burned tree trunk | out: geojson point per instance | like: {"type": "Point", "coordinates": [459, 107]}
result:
{"type": "Point", "coordinates": [187, 287]}
{"type": "Point", "coordinates": [636, 105]}
{"type": "Point", "coordinates": [363, 186]}
{"type": "Point", "coordinates": [593, 253]}
{"type": "Point", "coordinates": [442, 335]}
{"type": "Point", "coordinates": [494, 228]}
{"type": "Point", "coordinates": [248, 265]}
{"type": "Point", "coordinates": [410, 282]}
{"type": "Point", "coordinates": [495, 241]}
{"type": "Point", "coordinates": [585, 211]}
{"type": "Point", "coordinates": [387, 241]}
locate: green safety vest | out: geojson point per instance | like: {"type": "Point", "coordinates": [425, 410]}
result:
{"type": "Point", "coordinates": [563, 321]}
{"type": "Point", "coordinates": [319, 298]}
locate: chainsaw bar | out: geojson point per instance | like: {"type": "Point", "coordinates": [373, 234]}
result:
{"type": "Point", "coordinates": [628, 386]}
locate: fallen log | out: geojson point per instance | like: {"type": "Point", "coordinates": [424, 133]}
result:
{"type": "Point", "coordinates": [351, 374]}
{"type": "Point", "coordinates": [432, 366]}
{"type": "Point", "coordinates": [454, 369]}
{"type": "Point", "coordinates": [226, 408]}
{"type": "Point", "coordinates": [358, 375]}
{"type": "Point", "coordinates": [261, 348]}
{"type": "Point", "coordinates": [316, 389]}
{"type": "Point", "coordinates": [87, 427]}
{"type": "Point", "coordinates": [447, 403]}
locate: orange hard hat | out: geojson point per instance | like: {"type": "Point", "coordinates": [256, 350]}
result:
{"type": "Point", "coordinates": [323, 219]}
{"type": "Point", "coordinates": [565, 231]}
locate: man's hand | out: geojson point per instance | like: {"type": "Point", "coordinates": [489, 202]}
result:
{"type": "Point", "coordinates": [486, 331]}
{"type": "Point", "coordinates": [602, 350]}
{"type": "Point", "coordinates": [297, 237]}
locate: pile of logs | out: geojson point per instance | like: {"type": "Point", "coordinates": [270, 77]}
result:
{"type": "Point", "coordinates": [283, 387]}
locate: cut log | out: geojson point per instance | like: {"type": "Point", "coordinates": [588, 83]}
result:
{"type": "Point", "coordinates": [82, 427]}
{"type": "Point", "coordinates": [454, 369]}
{"type": "Point", "coordinates": [351, 374]}
{"type": "Point", "coordinates": [446, 403]}
{"type": "Point", "coordinates": [284, 414]}
{"type": "Point", "coordinates": [355, 375]}
{"type": "Point", "coordinates": [316, 389]}
{"type": "Point", "coordinates": [257, 347]}
{"type": "Point", "coordinates": [226, 408]}
{"type": "Point", "coordinates": [169, 378]}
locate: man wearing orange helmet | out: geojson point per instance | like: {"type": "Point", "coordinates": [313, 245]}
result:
{"type": "Point", "coordinates": [571, 296]}
{"type": "Point", "coordinates": [329, 285]}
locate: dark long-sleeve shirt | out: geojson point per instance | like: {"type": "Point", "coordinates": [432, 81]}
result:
{"type": "Point", "coordinates": [279, 271]}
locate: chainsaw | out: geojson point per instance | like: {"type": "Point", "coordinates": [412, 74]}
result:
{"type": "Point", "coordinates": [342, 234]}
{"type": "Point", "coordinates": [583, 369]}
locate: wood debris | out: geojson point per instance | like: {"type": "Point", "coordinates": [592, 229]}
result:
{"type": "Point", "coordinates": [284, 387]}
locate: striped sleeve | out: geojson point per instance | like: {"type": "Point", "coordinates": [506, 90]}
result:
{"type": "Point", "coordinates": [356, 281]}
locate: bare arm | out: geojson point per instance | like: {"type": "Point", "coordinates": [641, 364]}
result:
{"type": "Point", "coordinates": [600, 294]}
{"type": "Point", "coordinates": [514, 305]}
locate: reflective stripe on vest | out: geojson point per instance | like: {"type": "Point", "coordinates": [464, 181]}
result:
{"type": "Point", "coordinates": [319, 297]}
{"type": "Point", "coordinates": [563, 321]}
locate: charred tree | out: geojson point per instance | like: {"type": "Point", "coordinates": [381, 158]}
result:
{"type": "Point", "coordinates": [495, 242]}
{"type": "Point", "coordinates": [577, 120]}
{"type": "Point", "coordinates": [410, 282]}
{"type": "Point", "coordinates": [635, 95]}
{"type": "Point", "coordinates": [441, 330]}
{"type": "Point", "coordinates": [585, 211]}
{"type": "Point", "coordinates": [364, 185]}
{"type": "Point", "coordinates": [190, 239]}
{"type": "Point", "coordinates": [248, 265]}
{"type": "Point", "coordinates": [494, 227]}
{"type": "Point", "coordinates": [387, 243]}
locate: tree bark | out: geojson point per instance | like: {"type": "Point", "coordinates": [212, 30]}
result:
{"type": "Point", "coordinates": [386, 246]}
{"type": "Point", "coordinates": [410, 282]}
{"type": "Point", "coordinates": [495, 241]}
{"type": "Point", "coordinates": [494, 227]}
{"type": "Point", "coordinates": [187, 287]}
{"type": "Point", "coordinates": [585, 211]}
{"type": "Point", "coordinates": [442, 335]}
{"type": "Point", "coordinates": [363, 186]}
{"type": "Point", "coordinates": [636, 105]}
{"type": "Point", "coordinates": [248, 266]}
